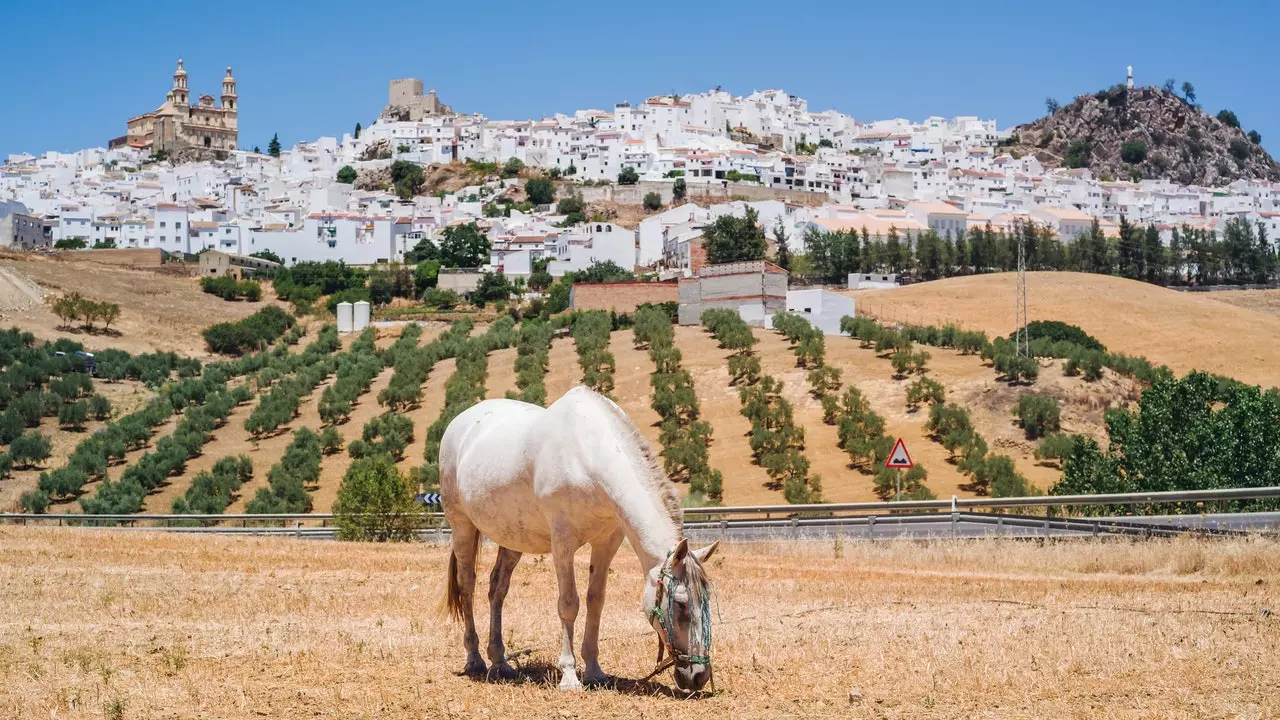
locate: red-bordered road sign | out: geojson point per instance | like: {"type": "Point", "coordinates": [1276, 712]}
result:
{"type": "Point", "coordinates": [899, 459]}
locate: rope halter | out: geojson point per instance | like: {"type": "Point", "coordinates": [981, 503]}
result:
{"type": "Point", "coordinates": [663, 621]}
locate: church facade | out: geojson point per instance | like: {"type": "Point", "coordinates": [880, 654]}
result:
{"type": "Point", "coordinates": [179, 124]}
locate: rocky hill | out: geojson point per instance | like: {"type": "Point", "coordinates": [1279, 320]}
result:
{"type": "Point", "coordinates": [1148, 132]}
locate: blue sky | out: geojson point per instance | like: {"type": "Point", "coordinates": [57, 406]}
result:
{"type": "Point", "coordinates": [72, 71]}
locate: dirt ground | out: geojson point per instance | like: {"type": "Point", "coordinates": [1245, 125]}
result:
{"type": "Point", "coordinates": [157, 312]}
{"type": "Point", "coordinates": [1186, 331]}
{"type": "Point", "coordinates": [139, 625]}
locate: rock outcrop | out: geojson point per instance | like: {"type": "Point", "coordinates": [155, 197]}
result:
{"type": "Point", "coordinates": [1148, 132]}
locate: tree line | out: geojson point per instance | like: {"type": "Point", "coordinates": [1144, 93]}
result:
{"type": "Point", "coordinates": [1241, 253]}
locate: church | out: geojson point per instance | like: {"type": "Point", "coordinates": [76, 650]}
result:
{"type": "Point", "coordinates": [178, 125]}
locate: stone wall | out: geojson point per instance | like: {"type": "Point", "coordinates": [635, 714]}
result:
{"type": "Point", "coordinates": [718, 191]}
{"type": "Point", "coordinates": [620, 296]}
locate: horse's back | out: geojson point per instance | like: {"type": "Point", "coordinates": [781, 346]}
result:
{"type": "Point", "coordinates": [486, 473]}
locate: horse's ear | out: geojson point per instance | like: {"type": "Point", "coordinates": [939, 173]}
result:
{"type": "Point", "coordinates": [678, 555]}
{"type": "Point", "coordinates": [705, 553]}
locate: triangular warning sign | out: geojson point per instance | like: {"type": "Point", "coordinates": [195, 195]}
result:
{"type": "Point", "coordinates": [899, 458]}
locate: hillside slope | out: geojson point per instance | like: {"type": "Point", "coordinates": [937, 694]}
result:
{"type": "Point", "coordinates": [1186, 331]}
{"type": "Point", "coordinates": [1166, 137]}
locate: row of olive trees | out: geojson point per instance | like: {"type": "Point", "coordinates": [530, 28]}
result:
{"type": "Point", "coordinates": [212, 491]}
{"type": "Point", "coordinates": [298, 376]}
{"type": "Point", "coordinates": [861, 434]}
{"type": "Point", "coordinates": [93, 455]}
{"type": "Point", "coordinates": [989, 473]}
{"type": "Point", "coordinates": [109, 445]}
{"type": "Point", "coordinates": [356, 369]}
{"type": "Point", "coordinates": [685, 439]}
{"type": "Point", "coordinates": [809, 346]}
{"type": "Point", "coordinates": [168, 458]}
{"type": "Point", "coordinates": [591, 333]}
{"type": "Point", "coordinates": [532, 361]}
{"type": "Point", "coordinates": [777, 443]}
{"type": "Point", "coordinates": [288, 481]}
{"type": "Point", "coordinates": [413, 365]}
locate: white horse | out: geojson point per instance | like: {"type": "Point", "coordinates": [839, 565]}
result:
{"type": "Point", "coordinates": [538, 480]}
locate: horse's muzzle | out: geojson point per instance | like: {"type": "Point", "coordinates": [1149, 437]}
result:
{"type": "Point", "coordinates": [691, 677]}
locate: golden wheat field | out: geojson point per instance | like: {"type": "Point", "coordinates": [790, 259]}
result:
{"type": "Point", "coordinates": [98, 624]}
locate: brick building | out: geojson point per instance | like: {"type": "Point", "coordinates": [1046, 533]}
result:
{"type": "Point", "coordinates": [621, 296]}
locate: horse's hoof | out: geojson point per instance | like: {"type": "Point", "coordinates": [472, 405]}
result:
{"type": "Point", "coordinates": [475, 668]}
{"type": "Point", "coordinates": [504, 671]}
{"type": "Point", "coordinates": [596, 680]}
{"type": "Point", "coordinates": [570, 683]}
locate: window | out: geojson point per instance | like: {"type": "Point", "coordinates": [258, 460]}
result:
{"type": "Point", "coordinates": [177, 226]}
{"type": "Point", "coordinates": [161, 223]}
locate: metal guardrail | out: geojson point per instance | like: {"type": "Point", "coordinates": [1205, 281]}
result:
{"type": "Point", "coordinates": [956, 503]}
{"type": "Point", "coordinates": [758, 516]}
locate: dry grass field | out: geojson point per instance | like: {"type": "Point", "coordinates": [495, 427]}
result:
{"type": "Point", "coordinates": [158, 312]}
{"type": "Point", "coordinates": [100, 624]}
{"type": "Point", "coordinates": [1186, 331]}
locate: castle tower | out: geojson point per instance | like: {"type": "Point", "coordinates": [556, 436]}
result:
{"type": "Point", "coordinates": [229, 91]}
{"type": "Point", "coordinates": [1129, 81]}
{"type": "Point", "coordinates": [178, 95]}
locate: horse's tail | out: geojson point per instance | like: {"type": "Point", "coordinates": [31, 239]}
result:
{"type": "Point", "coordinates": [452, 605]}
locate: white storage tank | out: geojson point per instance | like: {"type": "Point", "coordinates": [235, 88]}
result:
{"type": "Point", "coordinates": [360, 318]}
{"type": "Point", "coordinates": [344, 317]}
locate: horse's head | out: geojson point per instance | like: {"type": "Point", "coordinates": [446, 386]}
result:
{"type": "Point", "coordinates": [677, 597]}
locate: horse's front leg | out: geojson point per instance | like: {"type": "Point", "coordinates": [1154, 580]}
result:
{"type": "Point", "coordinates": [563, 546]}
{"type": "Point", "coordinates": [602, 553]}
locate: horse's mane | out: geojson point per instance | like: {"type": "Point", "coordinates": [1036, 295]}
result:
{"type": "Point", "coordinates": [662, 488]}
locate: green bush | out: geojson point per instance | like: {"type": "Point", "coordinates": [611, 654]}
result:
{"type": "Point", "coordinates": [330, 441]}
{"type": "Point", "coordinates": [1038, 415]}
{"type": "Point", "coordinates": [1057, 446]}
{"type": "Point", "coordinates": [30, 449]}
{"type": "Point", "coordinates": [925, 390]}
{"type": "Point", "coordinates": [1056, 331]}
{"type": "Point", "coordinates": [376, 503]}
{"type": "Point", "coordinates": [251, 333]}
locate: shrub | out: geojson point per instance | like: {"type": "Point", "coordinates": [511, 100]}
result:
{"type": "Point", "coordinates": [74, 415]}
{"type": "Point", "coordinates": [30, 449]}
{"type": "Point", "coordinates": [652, 201]}
{"type": "Point", "coordinates": [1002, 479]}
{"type": "Point", "coordinates": [1056, 331]}
{"type": "Point", "coordinates": [824, 380]}
{"type": "Point", "coordinates": [441, 298]}
{"type": "Point", "coordinates": [628, 176]}
{"type": "Point", "coordinates": [1057, 446]}
{"type": "Point", "coordinates": [1133, 152]}
{"type": "Point", "coordinates": [913, 487]}
{"type": "Point", "coordinates": [540, 191]}
{"type": "Point", "coordinates": [925, 390]}
{"type": "Point", "coordinates": [1038, 415]}
{"type": "Point", "coordinates": [376, 503]}
{"type": "Point", "coordinates": [99, 407]}
{"type": "Point", "coordinates": [330, 441]}
{"type": "Point", "coordinates": [251, 333]}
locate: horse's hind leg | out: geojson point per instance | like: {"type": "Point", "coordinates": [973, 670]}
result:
{"type": "Point", "coordinates": [499, 581]}
{"type": "Point", "coordinates": [466, 547]}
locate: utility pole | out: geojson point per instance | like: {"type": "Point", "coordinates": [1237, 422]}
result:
{"type": "Point", "coordinates": [1022, 343]}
